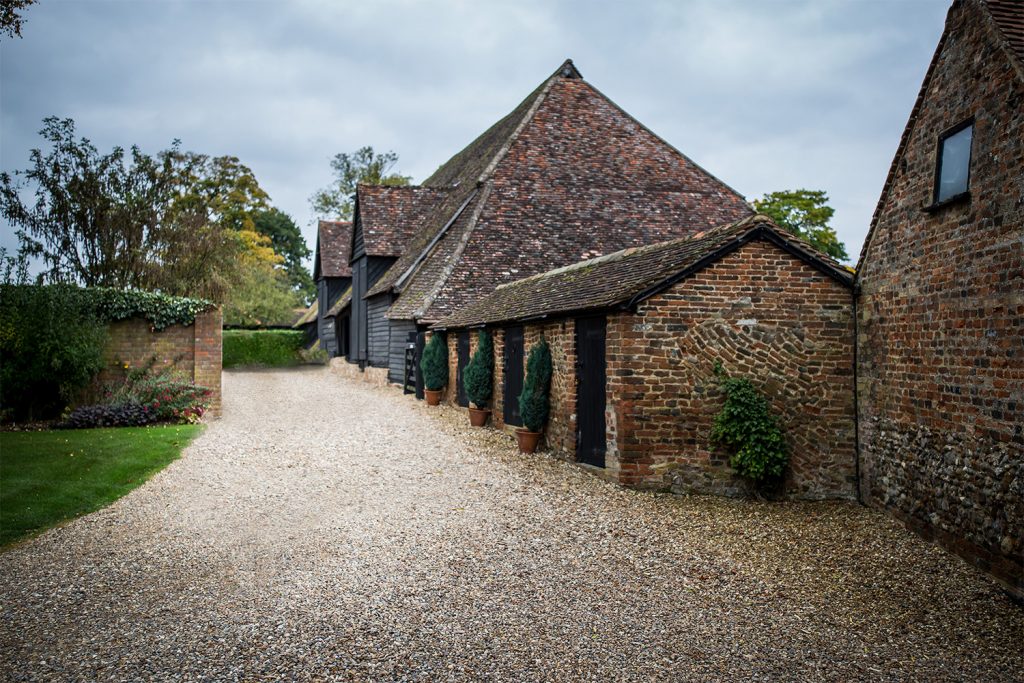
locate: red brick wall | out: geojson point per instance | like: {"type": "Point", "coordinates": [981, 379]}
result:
{"type": "Point", "coordinates": [194, 349]}
{"type": "Point", "coordinates": [941, 318]}
{"type": "Point", "coordinates": [560, 432]}
{"type": "Point", "coordinates": [766, 316]}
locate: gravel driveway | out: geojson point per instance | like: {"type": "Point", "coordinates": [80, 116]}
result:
{"type": "Point", "coordinates": [324, 529]}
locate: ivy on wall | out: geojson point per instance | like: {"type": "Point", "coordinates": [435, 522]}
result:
{"type": "Point", "coordinates": [160, 309]}
{"type": "Point", "coordinates": [112, 305]}
{"type": "Point", "coordinates": [52, 339]}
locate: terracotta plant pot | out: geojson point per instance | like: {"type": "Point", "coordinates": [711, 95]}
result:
{"type": "Point", "coordinates": [433, 397]}
{"type": "Point", "coordinates": [478, 416]}
{"type": "Point", "coordinates": [527, 440]}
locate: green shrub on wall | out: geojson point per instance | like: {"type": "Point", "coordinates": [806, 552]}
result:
{"type": "Point", "coordinates": [51, 346]}
{"type": "Point", "coordinates": [478, 375]}
{"type": "Point", "coordinates": [534, 403]}
{"type": "Point", "coordinates": [52, 339]}
{"type": "Point", "coordinates": [746, 428]}
{"type": "Point", "coordinates": [262, 348]}
{"type": "Point", "coordinates": [434, 363]}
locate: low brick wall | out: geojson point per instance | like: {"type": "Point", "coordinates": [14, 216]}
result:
{"type": "Point", "coordinates": [375, 376]}
{"type": "Point", "coordinates": [195, 350]}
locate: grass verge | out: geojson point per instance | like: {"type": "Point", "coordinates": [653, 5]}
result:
{"type": "Point", "coordinates": [48, 477]}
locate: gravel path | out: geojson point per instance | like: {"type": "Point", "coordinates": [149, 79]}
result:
{"type": "Point", "coordinates": [325, 530]}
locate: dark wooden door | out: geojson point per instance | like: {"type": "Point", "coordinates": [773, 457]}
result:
{"type": "Point", "coordinates": [463, 350]}
{"type": "Point", "coordinates": [421, 342]}
{"type": "Point", "coordinates": [513, 375]}
{"type": "Point", "coordinates": [590, 391]}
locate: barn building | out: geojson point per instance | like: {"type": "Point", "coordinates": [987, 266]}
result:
{"type": "Point", "coordinates": [940, 342]}
{"type": "Point", "coordinates": [635, 336]}
{"type": "Point", "coordinates": [333, 275]}
{"type": "Point", "coordinates": [567, 175]}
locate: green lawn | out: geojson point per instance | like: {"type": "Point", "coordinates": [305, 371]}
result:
{"type": "Point", "coordinates": [48, 477]}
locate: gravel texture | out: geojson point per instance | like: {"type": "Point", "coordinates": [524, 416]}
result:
{"type": "Point", "coordinates": [328, 530]}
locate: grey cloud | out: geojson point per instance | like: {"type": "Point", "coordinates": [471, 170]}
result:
{"type": "Point", "coordinates": [766, 95]}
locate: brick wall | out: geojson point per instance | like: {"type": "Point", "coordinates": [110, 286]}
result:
{"type": "Point", "coordinates": [560, 432]}
{"type": "Point", "coordinates": [765, 315]}
{"type": "Point", "coordinates": [941, 318]}
{"type": "Point", "coordinates": [194, 349]}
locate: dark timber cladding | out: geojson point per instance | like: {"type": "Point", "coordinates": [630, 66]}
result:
{"type": "Point", "coordinates": [512, 372]}
{"type": "Point", "coordinates": [333, 275]}
{"type": "Point", "coordinates": [590, 391]}
{"type": "Point", "coordinates": [567, 175]}
{"type": "Point", "coordinates": [385, 217]}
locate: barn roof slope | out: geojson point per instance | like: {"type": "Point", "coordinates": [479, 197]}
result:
{"type": "Point", "coordinates": [566, 176]}
{"type": "Point", "coordinates": [625, 277]}
{"type": "Point", "coordinates": [341, 304]}
{"type": "Point", "coordinates": [309, 315]}
{"type": "Point", "coordinates": [333, 244]}
{"type": "Point", "coordinates": [390, 215]}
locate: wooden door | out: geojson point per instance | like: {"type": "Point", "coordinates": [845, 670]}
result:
{"type": "Point", "coordinates": [590, 391]}
{"type": "Point", "coordinates": [513, 375]}
{"type": "Point", "coordinates": [463, 353]}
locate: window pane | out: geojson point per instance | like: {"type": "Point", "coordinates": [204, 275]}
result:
{"type": "Point", "coordinates": [956, 157]}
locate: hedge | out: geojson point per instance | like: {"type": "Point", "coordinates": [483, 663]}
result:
{"type": "Point", "coordinates": [267, 348]}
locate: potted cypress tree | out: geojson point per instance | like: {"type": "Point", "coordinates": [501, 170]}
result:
{"type": "Point", "coordinates": [479, 379]}
{"type": "Point", "coordinates": [434, 364]}
{"type": "Point", "coordinates": [533, 402]}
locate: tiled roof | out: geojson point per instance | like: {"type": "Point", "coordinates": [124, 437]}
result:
{"type": "Point", "coordinates": [632, 274]}
{"type": "Point", "coordinates": [341, 304]}
{"type": "Point", "coordinates": [309, 315]}
{"type": "Point", "coordinates": [460, 175]}
{"type": "Point", "coordinates": [1009, 17]}
{"type": "Point", "coordinates": [333, 245]}
{"type": "Point", "coordinates": [390, 216]}
{"type": "Point", "coordinates": [567, 176]}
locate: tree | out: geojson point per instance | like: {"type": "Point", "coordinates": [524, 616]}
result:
{"type": "Point", "coordinates": [534, 403]}
{"type": "Point", "coordinates": [434, 363]}
{"type": "Point", "coordinates": [362, 167]}
{"type": "Point", "coordinates": [288, 242]}
{"type": "Point", "coordinates": [179, 222]}
{"type": "Point", "coordinates": [261, 296]}
{"type": "Point", "coordinates": [478, 375]}
{"type": "Point", "coordinates": [11, 20]}
{"type": "Point", "coordinates": [806, 214]}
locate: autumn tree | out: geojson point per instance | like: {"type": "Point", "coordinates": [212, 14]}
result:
{"type": "Point", "coordinates": [179, 222]}
{"type": "Point", "coordinates": [363, 166]}
{"type": "Point", "coordinates": [806, 214]}
{"type": "Point", "coordinates": [289, 243]}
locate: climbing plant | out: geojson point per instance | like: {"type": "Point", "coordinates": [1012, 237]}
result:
{"type": "Point", "coordinates": [746, 428]}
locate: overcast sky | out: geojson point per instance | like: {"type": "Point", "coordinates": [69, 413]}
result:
{"type": "Point", "coordinates": [767, 95]}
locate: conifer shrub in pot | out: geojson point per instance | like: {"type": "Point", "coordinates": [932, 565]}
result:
{"type": "Point", "coordinates": [479, 379]}
{"type": "Point", "coordinates": [434, 364]}
{"type": "Point", "coordinates": [534, 402]}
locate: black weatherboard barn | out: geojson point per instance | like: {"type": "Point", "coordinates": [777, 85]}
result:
{"type": "Point", "coordinates": [333, 276]}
